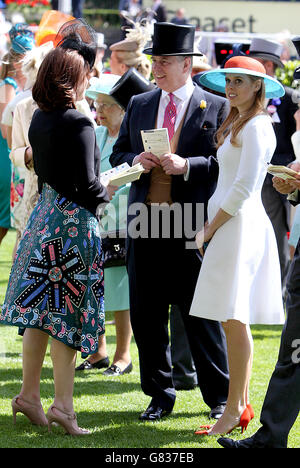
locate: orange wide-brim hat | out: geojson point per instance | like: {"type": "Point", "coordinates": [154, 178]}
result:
{"type": "Point", "coordinates": [242, 65]}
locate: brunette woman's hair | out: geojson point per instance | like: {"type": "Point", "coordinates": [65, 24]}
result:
{"type": "Point", "coordinates": [234, 122]}
{"type": "Point", "coordinates": [58, 77]}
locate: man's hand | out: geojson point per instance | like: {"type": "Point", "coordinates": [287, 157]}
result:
{"type": "Point", "coordinates": [147, 160]}
{"type": "Point", "coordinates": [295, 165]}
{"type": "Point", "coordinates": [286, 186]}
{"type": "Point", "coordinates": [173, 164]}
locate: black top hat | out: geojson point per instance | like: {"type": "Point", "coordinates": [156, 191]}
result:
{"type": "Point", "coordinates": [130, 84]}
{"type": "Point", "coordinates": [172, 39]}
{"type": "Point", "coordinates": [296, 42]}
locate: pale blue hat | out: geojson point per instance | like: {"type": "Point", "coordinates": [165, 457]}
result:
{"type": "Point", "coordinates": [101, 85]}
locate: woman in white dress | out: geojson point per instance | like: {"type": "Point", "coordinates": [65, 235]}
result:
{"type": "Point", "coordinates": [239, 283]}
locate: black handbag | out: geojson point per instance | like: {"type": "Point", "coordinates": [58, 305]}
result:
{"type": "Point", "coordinates": [114, 251]}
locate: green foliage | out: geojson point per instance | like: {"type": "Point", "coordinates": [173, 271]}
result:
{"type": "Point", "coordinates": [286, 75]}
{"type": "Point", "coordinates": [109, 407]}
{"type": "Point", "coordinates": [32, 10]}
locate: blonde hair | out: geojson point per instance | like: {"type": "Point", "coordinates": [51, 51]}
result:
{"type": "Point", "coordinates": [135, 59]}
{"type": "Point", "coordinates": [235, 122]}
{"type": "Point", "coordinates": [7, 64]}
{"type": "Point", "coordinates": [32, 62]}
{"type": "Point", "coordinates": [130, 50]}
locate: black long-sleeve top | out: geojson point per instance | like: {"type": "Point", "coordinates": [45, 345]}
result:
{"type": "Point", "coordinates": [66, 156]}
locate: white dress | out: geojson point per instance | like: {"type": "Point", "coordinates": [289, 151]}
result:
{"type": "Point", "coordinates": [240, 274]}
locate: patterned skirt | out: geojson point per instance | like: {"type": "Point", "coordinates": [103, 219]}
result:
{"type": "Point", "coordinates": [56, 282]}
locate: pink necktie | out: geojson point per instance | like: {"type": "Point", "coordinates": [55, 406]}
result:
{"type": "Point", "coordinates": [170, 117]}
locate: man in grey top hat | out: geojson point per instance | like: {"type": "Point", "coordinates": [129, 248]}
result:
{"type": "Point", "coordinates": [282, 113]}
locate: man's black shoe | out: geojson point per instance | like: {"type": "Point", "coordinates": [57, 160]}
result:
{"type": "Point", "coordinates": [246, 443]}
{"type": "Point", "coordinates": [154, 413]}
{"type": "Point", "coordinates": [217, 412]}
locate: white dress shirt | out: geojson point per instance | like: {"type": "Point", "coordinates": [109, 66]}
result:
{"type": "Point", "coordinates": [182, 98]}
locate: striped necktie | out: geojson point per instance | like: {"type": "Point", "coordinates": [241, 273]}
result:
{"type": "Point", "coordinates": [170, 116]}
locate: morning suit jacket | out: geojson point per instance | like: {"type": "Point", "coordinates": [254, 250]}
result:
{"type": "Point", "coordinates": [284, 153]}
{"type": "Point", "coordinates": [196, 142]}
{"type": "Point", "coordinates": [149, 258]}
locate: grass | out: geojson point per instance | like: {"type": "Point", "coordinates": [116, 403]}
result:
{"type": "Point", "coordinates": [110, 407]}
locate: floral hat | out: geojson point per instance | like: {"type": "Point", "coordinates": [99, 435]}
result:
{"type": "Point", "coordinates": [22, 38]}
{"type": "Point", "coordinates": [242, 65]}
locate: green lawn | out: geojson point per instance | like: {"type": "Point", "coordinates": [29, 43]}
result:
{"type": "Point", "coordinates": [110, 408]}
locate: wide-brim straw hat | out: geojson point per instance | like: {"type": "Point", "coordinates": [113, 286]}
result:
{"type": "Point", "coordinates": [102, 85]}
{"type": "Point", "coordinates": [242, 65]}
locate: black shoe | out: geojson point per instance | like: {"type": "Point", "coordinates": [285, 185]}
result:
{"type": "Point", "coordinates": [87, 365]}
{"type": "Point", "coordinates": [154, 413]}
{"type": "Point", "coordinates": [246, 443]}
{"type": "Point", "coordinates": [115, 371]}
{"type": "Point", "coordinates": [217, 412]}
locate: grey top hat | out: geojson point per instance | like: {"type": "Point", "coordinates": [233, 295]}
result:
{"type": "Point", "coordinates": [266, 49]}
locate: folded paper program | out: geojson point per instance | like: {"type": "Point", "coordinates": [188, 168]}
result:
{"type": "Point", "coordinates": [156, 141]}
{"type": "Point", "coordinates": [282, 172]}
{"type": "Point", "coordinates": [122, 175]}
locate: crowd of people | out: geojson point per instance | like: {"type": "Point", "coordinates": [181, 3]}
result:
{"type": "Point", "coordinates": [66, 119]}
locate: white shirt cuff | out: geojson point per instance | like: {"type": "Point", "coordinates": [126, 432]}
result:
{"type": "Point", "coordinates": [187, 174]}
{"type": "Point", "coordinates": [293, 196]}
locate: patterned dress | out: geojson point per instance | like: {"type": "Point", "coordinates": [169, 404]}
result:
{"type": "Point", "coordinates": [56, 282]}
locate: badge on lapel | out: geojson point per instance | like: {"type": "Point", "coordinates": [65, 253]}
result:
{"type": "Point", "coordinates": [203, 104]}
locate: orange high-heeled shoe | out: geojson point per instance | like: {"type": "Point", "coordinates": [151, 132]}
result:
{"type": "Point", "coordinates": [243, 423]}
{"type": "Point", "coordinates": [251, 413]}
{"type": "Point", "coordinates": [67, 420]}
{"type": "Point", "coordinates": [34, 413]}
{"type": "Point", "coordinates": [251, 410]}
